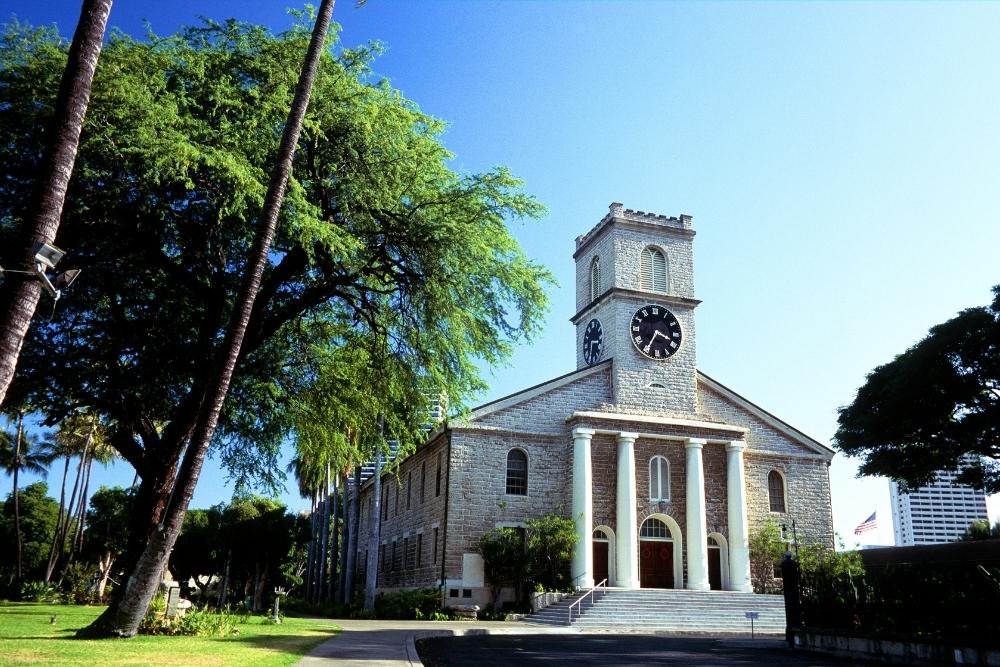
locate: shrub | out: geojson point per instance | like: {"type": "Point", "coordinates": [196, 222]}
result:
{"type": "Point", "coordinates": [78, 582]}
{"type": "Point", "coordinates": [408, 605]}
{"type": "Point", "coordinates": [39, 591]}
{"type": "Point", "coordinates": [206, 624]}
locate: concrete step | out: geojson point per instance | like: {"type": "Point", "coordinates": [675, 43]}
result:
{"type": "Point", "coordinates": [665, 610]}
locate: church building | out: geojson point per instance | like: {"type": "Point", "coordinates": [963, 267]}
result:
{"type": "Point", "coordinates": [664, 469]}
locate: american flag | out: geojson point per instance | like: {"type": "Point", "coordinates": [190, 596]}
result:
{"type": "Point", "coordinates": [868, 524]}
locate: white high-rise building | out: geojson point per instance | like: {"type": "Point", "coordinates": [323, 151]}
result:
{"type": "Point", "coordinates": [939, 512]}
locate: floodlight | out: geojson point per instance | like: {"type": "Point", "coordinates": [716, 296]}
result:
{"type": "Point", "coordinates": [65, 279]}
{"type": "Point", "coordinates": [47, 255]}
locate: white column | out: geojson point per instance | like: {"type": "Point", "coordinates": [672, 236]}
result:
{"type": "Point", "coordinates": [697, 529]}
{"type": "Point", "coordinates": [583, 509]}
{"type": "Point", "coordinates": [739, 548]}
{"type": "Point", "coordinates": [627, 547]}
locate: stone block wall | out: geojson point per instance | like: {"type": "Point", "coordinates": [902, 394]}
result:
{"type": "Point", "coordinates": [416, 506]}
{"type": "Point", "coordinates": [807, 496]}
{"type": "Point", "coordinates": [547, 412]}
{"type": "Point", "coordinates": [478, 498]}
{"type": "Point", "coordinates": [806, 473]}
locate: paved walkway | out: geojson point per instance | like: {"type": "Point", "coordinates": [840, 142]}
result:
{"type": "Point", "coordinates": [391, 643]}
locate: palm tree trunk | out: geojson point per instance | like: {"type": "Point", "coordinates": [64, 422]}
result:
{"type": "Point", "coordinates": [17, 502]}
{"type": "Point", "coordinates": [324, 538]}
{"type": "Point", "coordinates": [335, 542]}
{"type": "Point", "coordinates": [81, 518]}
{"type": "Point", "coordinates": [122, 618]}
{"type": "Point", "coordinates": [225, 581]}
{"type": "Point", "coordinates": [371, 567]}
{"type": "Point", "coordinates": [352, 552]}
{"type": "Point", "coordinates": [61, 520]}
{"type": "Point", "coordinates": [346, 562]}
{"type": "Point", "coordinates": [311, 560]}
{"type": "Point", "coordinates": [70, 507]}
{"type": "Point", "coordinates": [20, 300]}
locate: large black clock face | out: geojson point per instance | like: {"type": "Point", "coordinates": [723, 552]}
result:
{"type": "Point", "coordinates": [593, 342]}
{"type": "Point", "coordinates": [655, 332]}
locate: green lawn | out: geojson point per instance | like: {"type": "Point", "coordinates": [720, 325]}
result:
{"type": "Point", "coordinates": [27, 636]}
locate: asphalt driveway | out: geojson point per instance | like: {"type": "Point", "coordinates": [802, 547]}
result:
{"type": "Point", "coordinates": [580, 650]}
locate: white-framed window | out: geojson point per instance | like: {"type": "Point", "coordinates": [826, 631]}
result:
{"type": "Point", "coordinates": [776, 491]}
{"type": "Point", "coordinates": [659, 478]}
{"type": "Point", "coordinates": [595, 278]}
{"type": "Point", "coordinates": [654, 529]}
{"type": "Point", "coordinates": [653, 270]}
{"type": "Point", "coordinates": [517, 473]}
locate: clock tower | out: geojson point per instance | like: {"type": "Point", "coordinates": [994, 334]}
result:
{"type": "Point", "coordinates": [635, 305]}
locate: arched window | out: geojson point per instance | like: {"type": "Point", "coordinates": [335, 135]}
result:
{"type": "Point", "coordinates": [653, 270]}
{"type": "Point", "coordinates": [776, 491]}
{"type": "Point", "coordinates": [659, 478]}
{"type": "Point", "coordinates": [517, 473]}
{"type": "Point", "coordinates": [595, 278]}
{"type": "Point", "coordinates": [654, 529]}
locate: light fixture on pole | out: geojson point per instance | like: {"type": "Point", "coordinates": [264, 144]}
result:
{"type": "Point", "coordinates": [47, 256]}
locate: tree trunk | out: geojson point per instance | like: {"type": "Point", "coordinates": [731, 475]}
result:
{"type": "Point", "coordinates": [346, 562]}
{"type": "Point", "coordinates": [62, 519]}
{"type": "Point", "coordinates": [255, 587]}
{"type": "Point", "coordinates": [81, 515]}
{"type": "Point", "coordinates": [105, 572]}
{"type": "Point", "coordinates": [18, 303]}
{"type": "Point", "coordinates": [352, 553]}
{"type": "Point", "coordinates": [335, 542]}
{"type": "Point", "coordinates": [122, 618]}
{"type": "Point", "coordinates": [324, 538]}
{"type": "Point", "coordinates": [311, 549]}
{"type": "Point", "coordinates": [371, 567]}
{"type": "Point", "coordinates": [17, 501]}
{"type": "Point", "coordinates": [225, 581]}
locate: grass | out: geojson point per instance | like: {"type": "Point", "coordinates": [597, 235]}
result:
{"type": "Point", "coordinates": [27, 636]}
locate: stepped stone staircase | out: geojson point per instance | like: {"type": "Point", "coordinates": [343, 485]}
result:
{"type": "Point", "coordinates": [652, 610]}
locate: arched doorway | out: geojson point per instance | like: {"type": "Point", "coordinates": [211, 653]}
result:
{"type": "Point", "coordinates": [656, 555]}
{"type": "Point", "coordinates": [718, 562]}
{"type": "Point", "coordinates": [601, 556]}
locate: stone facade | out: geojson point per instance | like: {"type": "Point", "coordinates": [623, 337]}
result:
{"type": "Point", "coordinates": [585, 432]}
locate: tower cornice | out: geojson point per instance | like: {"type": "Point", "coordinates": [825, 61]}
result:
{"type": "Point", "coordinates": [665, 299]}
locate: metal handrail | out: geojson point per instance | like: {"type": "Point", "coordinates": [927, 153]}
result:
{"type": "Point", "coordinates": [603, 584]}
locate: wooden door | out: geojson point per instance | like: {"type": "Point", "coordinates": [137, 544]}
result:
{"type": "Point", "coordinates": [656, 564]}
{"type": "Point", "coordinates": [600, 561]}
{"type": "Point", "coordinates": [714, 567]}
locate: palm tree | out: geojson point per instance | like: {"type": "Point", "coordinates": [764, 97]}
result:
{"type": "Point", "coordinates": [82, 436]}
{"type": "Point", "coordinates": [19, 301]}
{"type": "Point", "coordinates": [29, 456]}
{"type": "Point", "coordinates": [123, 618]}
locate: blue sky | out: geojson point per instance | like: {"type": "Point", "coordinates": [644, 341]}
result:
{"type": "Point", "coordinates": [840, 162]}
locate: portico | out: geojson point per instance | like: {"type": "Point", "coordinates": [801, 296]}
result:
{"type": "Point", "coordinates": [666, 431]}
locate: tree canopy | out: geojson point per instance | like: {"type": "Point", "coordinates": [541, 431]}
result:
{"type": "Point", "coordinates": [38, 524]}
{"type": "Point", "coordinates": [390, 272]}
{"type": "Point", "coordinates": [934, 407]}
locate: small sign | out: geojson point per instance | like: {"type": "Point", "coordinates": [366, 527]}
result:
{"type": "Point", "coordinates": [753, 615]}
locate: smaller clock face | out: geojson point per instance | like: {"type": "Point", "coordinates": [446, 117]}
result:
{"type": "Point", "coordinates": [593, 342]}
{"type": "Point", "coordinates": [655, 332]}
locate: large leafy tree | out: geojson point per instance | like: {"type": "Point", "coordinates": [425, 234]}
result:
{"type": "Point", "coordinates": [106, 536]}
{"type": "Point", "coordinates": [258, 534]}
{"type": "Point", "coordinates": [199, 552]}
{"type": "Point", "coordinates": [380, 247]}
{"type": "Point", "coordinates": [34, 526]}
{"type": "Point", "coordinates": [934, 407]}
